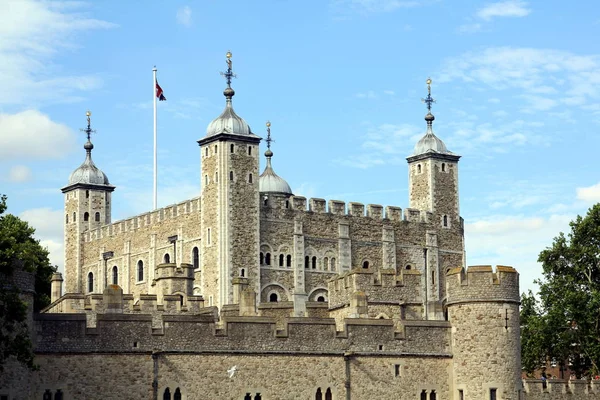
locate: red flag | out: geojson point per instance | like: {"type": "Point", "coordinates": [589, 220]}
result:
{"type": "Point", "coordinates": [159, 93]}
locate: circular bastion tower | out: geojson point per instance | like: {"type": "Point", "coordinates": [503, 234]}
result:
{"type": "Point", "coordinates": [483, 308]}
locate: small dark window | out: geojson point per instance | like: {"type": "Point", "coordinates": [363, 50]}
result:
{"type": "Point", "coordinates": [90, 282]}
{"type": "Point", "coordinates": [287, 204]}
{"type": "Point", "coordinates": [262, 258]}
{"type": "Point", "coordinates": [250, 178]}
{"type": "Point", "coordinates": [423, 395]}
{"type": "Point", "coordinates": [206, 180]}
{"type": "Point", "coordinates": [230, 175]}
{"type": "Point", "coordinates": [242, 272]}
{"type": "Point", "coordinates": [408, 266]}
{"type": "Point", "coordinates": [445, 221]}
{"type": "Point", "coordinates": [87, 194]}
{"type": "Point", "coordinates": [432, 395]}
{"type": "Point", "coordinates": [380, 347]}
{"type": "Point", "coordinates": [248, 396]}
{"type": "Point", "coordinates": [216, 177]}
{"type": "Point", "coordinates": [419, 171]}
{"type": "Point", "coordinates": [306, 261]}
{"type": "Point", "coordinates": [493, 394]}
{"type": "Point", "coordinates": [288, 261]}
{"type": "Point", "coordinates": [461, 394]}
{"type": "Point", "coordinates": [97, 217]}
{"type": "Point", "coordinates": [167, 394]}
{"type": "Point", "coordinates": [328, 394]}
{"type": "Point", "coordinates": [433, 277]}
{"type": "Point", "coordinates": [86, 217]}
{"type": "Point", "coordinates": [281, 257]}
{"type": "Point", "coordinates": [258, 397]}
{"type": "Point", "coordinates": [177, 395]}
{"type": "Point", "coordinates": [273, 298]}
{"type": "Point", "coordinates": [47, 395]}
{"type": "Point", "coordinates": [314, 262]}
{"type": "Point", "coordinates": [231, 148]}
{"type": "Point", "coordinates": [115, 273]}
{"type": "Point", "coordinates": [321, 299]}
{"type": "Point", "coordinates": [365, 264]}
{"type": "Point", "coordinates": [140, 270]}
{"type": "Point", "coordinates": [397, 370]}
{"type": "Point", "coordinates": [268, 259]}
{"type": "Point", "coordinates": [195, 258]}
{"type": "Point", "coordinates": [215, 149]}
{"type": "Point", "coordinates": [167, 258]}
{"type": "Point", "coordinates": [443, 167]}
{"type": "Point", "coordinates": [57, 396]}
{"type": "Point", "coordinates": [333, 263]}
{"type": "Point", "coordinates": [319, 395]}
{"type": "Point", "coordinates": [74, 217]}
{"type": "Point", "coordinates": [206, 152]}
{"type": "Point", "coordinates": [266, 201]}
{"type": "Point", "coordinates": [67, 218]}
{"type": "Point", "coordinates": [249, 150]}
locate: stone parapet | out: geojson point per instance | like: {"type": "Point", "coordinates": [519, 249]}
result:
{"type": "Point", "coordinates": [558, 389]}
{"type": "Point", "coordinates": [481, 284]}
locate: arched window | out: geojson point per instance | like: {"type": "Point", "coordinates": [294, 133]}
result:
{"type": "Point", "coordinates": [248, 396]}
{"type": "Point", "coordinates": [90, 282]}
{"type": "Point", "coordinates": [288, 261]}
{"type": "Point", "coordinates": [319, 395]}
{"type": "Point", "coordinates": [249, 178]}
{"type": "Point", "coordinates": [74, 217]}
{"type": "Point", "coordinates": [242, 272]}
{"type": "Point", "coordinates": [443, 167]}
{"type": "Point", "coordinates": [195, 258]}
{"type": "Point", "coordinates": [47, 395]}
{"type": "Point", "coordinates": [445, 221]}
{"type": "Point", "coordinates": [419, 168]}
{"type": "Point", "coordinates": [86, 216]}
{"type": "Point", "coordinates": [258, 397]}
{"type": "Point", "coordinates": [328, 394]}
{"type": "Point", "coordinates": [306, 261]}
{"type": "Point", "coordinates": [215, 149]}
{"type": "Point", "coordinates": [167, 258]}
{"type": "Point", "coordinates": [262, 259]}
{"type": "Point", "coordinates": [206, 152]}
{"type": "Point", "coordinates": [97, 217]}
{"type": "Point", "coordinates": [273, 298]}
{"type": "Point", "coordinates": [115, 272]}
{"type": "Point", "coordinates": [321, 299]}
{"type": "Point", "coordinates": [58, 395]}
{"type": "Point", "coordinates": [365, 264]}
{"type": "Point", "coordinates": [167, 394]}
{"type": "Point", "coordinates": [424, 395]}
{"type": "Point", "coordinates": [432, 395]}
{"type": "Point", "coordinates": [177, 395]}
{"type": "Point", "coordinates": [281, 257]}
{"type": "Point", "coordinates": [230, 175]}
{"type": "Point", "coordinates": [333, 263]}
{"type": "Point", "coordinates": [325, 264]}
{"type": "Point", "coordinates": [87, 194]}
{"type": "Point", "coordinates": [231, 148]}
{"type": "Point", "coordinates": [140, 271]}
{"type": "Point", "coordinates": [408, 266]}
{"type": "Point", "coordinates": [268, 259]}
{"type": "Point", "coordinates": [314, 262]}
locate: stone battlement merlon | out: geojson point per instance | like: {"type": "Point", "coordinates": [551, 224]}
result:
{"type": "Point", "coordinates": [142, 220]}
{"type": "Point", "coordinates": [354, 209]}
{"type": "Point", "coordinates": [481, 283]}
{"type": "Point", "coordinates": [555, 388]}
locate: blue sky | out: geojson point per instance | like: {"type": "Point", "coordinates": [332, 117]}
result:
{"type": "Point", "coordinates": [517, 85]}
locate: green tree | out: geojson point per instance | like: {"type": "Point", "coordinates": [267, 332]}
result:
{"type": "Point", "coordinates": [565, 325]}
{"type": "Point", "coordinates": [19, 249]}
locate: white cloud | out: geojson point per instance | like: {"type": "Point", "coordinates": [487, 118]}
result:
{"type": "Point", "coordinates": [590, 194]}
{"type": "Point", "coordinates": [470, 28]}
{"type": "Point", "coordinates": [48, 226]}
{"type": "Point", "coordinates": [510, 8]}
{"type": "Point", "coordinates": [366, 95]}
{"type": "Point", "coordinates": [19, 173]}
{"type": "Point", "coordinates": [184, 16]}
{"type": "Point", "coordinates": [31, 33]}
{"type": "Point", "coordinates": [389, 92]}
{"type": "Point", "coordinates": [33, 135]}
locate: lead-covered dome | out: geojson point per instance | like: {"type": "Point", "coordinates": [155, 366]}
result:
{"type": "Point", "coordinates": [430, 143]}
{"type": "Point", "coordinates": [228, 122]}
{"type": "Point", "coordinates": [88, 173]}
{"type": "Point", "coordinates": [270, 182]}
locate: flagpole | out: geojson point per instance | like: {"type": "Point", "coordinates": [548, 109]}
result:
{"type": "Point", "coordinates": [154, 100]}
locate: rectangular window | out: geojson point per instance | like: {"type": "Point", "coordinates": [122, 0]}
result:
{"type": "Point", "coordinates": [461, 394]}
{"type": "Point", "coordinates": [493, 394]}
{"type": "Point", "coordinates": [208, 236]}
{"type": "Point", "coordinates": [397, 370]}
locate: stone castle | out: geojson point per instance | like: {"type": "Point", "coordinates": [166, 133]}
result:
{"type": "Point", "coordinates": [249, 292]}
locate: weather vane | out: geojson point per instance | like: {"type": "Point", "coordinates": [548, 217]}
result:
{"type": "Point", "coordinates": [229, 73]}
{"type": "Point", "coordinates": [269, 140]}
{"type": "Point", "coordinates": [88, 130]}
{"type": "Point", "coordinates": [428, 100]}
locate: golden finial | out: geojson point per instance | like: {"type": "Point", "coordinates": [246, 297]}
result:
{"type": "Point", "coordinates": [268, 124]}
{"type": "Point", "coordinates": [228, 55]}
{"type": "Point", "coordinates": [88, 113]}
{"type": "Point", "coordinates": [428, 100]}
{"type": "Point", "coordinates": [269, 140]}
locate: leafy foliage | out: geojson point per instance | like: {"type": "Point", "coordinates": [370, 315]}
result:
{"type": "Point", "coordinates": [565, 324]}
{"type": "Point", "coordinates": [19, 249]}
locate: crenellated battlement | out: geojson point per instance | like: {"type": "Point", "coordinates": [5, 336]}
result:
{"type": "Point", "coordinates": [354, 209]}
{"type": "Point", "coordinates": [147, 219]}
{"type": "Point", "coordinates": [558, 388]}
{"type": "Point", "coordinates": [481, 283]}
